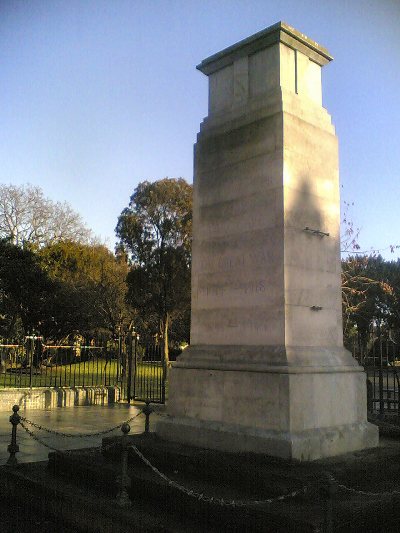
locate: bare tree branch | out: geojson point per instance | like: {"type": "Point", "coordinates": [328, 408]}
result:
{"type": "Point", "coordinates": [28, 217]}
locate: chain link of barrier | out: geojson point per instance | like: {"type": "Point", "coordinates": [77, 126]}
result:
{"type": "Point", "coordinates": [210, 499]}
{"type": "Point", "coordinates": [37, 439]}
{"type": "Point", "coordinates": [40, 441]}
{"type": "Point", "coordinates": [77, 435]}
{"type": "Point", "coordinates": [383, 494]}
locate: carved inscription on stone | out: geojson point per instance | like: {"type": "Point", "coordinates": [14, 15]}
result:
{"type": "Point", "coordinates": [229, 263]}
{"type": "Point", "coordinates": [242, 287]}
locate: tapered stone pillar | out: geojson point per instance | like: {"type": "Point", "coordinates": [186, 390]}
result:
{"type": "Point", "coordinates": [266, 370]}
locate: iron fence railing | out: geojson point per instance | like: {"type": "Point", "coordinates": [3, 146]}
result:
{"type": "Point", "coordinates": [138, 369]}
{"type": "Point", "coordinates": [380, 358]}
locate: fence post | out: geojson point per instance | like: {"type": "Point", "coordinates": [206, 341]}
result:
{"type": "Point", "coordinates": [37, 350]}
{"type": "Point", "coordinates": [119, 359]}
{"type": "Point", "coordinates": [123, 499]}
{"type": "Point", "coordinates": [129, 370]}
{"type": "Point", "coordinates": [381, 401]}
{"type": "Point", "coordinates": [30, 348]}
{"type": "Point", "coordinates": [147, 410]}
{"type": "Point", "coordinates": [135, 360]}
{"type": "Point", "coordinates": [13, 448]}
{"type": "Point", "coordinates": [370, 396]}
{"type": "Point", "coordinates": [164, 375]}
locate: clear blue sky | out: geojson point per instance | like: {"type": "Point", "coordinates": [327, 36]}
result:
{"type": "Point", "coordinates": [96, 96]}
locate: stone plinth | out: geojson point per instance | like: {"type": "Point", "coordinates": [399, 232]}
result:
{"type": "Point", "coordinates": [266, 370]}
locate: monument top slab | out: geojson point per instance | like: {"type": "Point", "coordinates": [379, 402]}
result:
{"type": "Point", "coordinates": [279, 32]}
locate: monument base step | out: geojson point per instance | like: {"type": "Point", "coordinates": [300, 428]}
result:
{"type": "Point", "coordinates": [307, 445]}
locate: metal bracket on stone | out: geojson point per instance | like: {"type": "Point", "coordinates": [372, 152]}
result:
{"type": "Point", "coordinates": [316, 232]}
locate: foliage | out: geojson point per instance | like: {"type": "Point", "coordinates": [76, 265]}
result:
{"type": "Point", "coordinates": [92, 287]}
{"type": "Point", "coordinates": [28, 218]}
{"type": "Point", "coordinates": [154, 231]}
{"type": "Point", "coordinates": [371, 297]}
{"type": "Point", "coordinates": [27, 294]}
{"type": "Point", "coordinates": [61, 289]}
{"type": "Point", "coordinates": [369, 288]}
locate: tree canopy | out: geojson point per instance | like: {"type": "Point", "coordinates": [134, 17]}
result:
{"type": "Point", "coordinates": [154, 232]}
{"type": "Point", "coordinates": [371, 298]}
{"type": "Point", "coordinates": [61, 289]}
{"type": "Point", "coordinates": [26, 292]}
{"type": "Point", "coordinates": [91, 286]}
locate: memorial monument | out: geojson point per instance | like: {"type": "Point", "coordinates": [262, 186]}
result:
{"type": "Point", "coordinates": [266, 370]}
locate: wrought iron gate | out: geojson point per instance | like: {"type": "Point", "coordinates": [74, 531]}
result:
{"type": "Point", "coordinates": [147, 372]}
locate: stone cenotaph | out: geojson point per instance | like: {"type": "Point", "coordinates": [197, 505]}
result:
{"type": "Point", "coordinates": [266, 370]}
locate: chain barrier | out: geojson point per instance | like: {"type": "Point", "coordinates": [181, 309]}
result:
{"type": "Point", "coordinates": [40, 441]}
{"type": "Point", "coordinates": [210, 499]}
{"type": "Point", "coordinates": [78, 435]}
{"type": "Point", "coordinates": [37, 439]}
{"type": "Point", "coordinates": [383, 494]}
{"type": "Point", "coordinates": [189, 492]}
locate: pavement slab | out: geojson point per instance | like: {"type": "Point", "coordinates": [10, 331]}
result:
{"type": "Point", "coordinates": [73, 420]}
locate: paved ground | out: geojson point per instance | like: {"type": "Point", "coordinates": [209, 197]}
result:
{"type": "Point", "coordinates": [72, 420]}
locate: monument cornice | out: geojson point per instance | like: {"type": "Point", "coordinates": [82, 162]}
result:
{"type": "Point", "coordinates": [265, 108]}
{"type": "Point", "coordinates": [279, 32]}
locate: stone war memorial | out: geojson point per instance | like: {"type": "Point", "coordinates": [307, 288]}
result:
{"type": "Point", "coordinates": [266, 370]}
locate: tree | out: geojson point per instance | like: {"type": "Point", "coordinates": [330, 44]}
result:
{"type": "Point", "coordinates": [28, 218]}
{"type": "Point", "coordinates": [26, 291]}
{"type": "Point", "coordinates": [367, 287]}
{"type": "Point", "coordinates": [91, 287]}
{"type": "Point", "coordinates": [155, 232]}
{"type": "Point", "coordinates": [61, 289]}
{"type": "Point", "coordinates": [371, 290]}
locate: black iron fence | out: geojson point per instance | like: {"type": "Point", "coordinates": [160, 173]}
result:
{"type": "Point", "coordinates": [138, 369]}
{"type": "Point", "coordinates": [148, 371]}
{"type": "Point", "coordinates": [380, 358]}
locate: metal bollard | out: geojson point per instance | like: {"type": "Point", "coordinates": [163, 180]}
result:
{"type": "Point", "coordinates": [13, 448]}
{"type": "Point", "coordinates": [328, 491]}
{"type": "Point", "coordinates": [147, 410]}
{"type": "Point", "coordinates": [124, 481]}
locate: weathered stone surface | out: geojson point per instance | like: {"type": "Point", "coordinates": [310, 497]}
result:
{"type": "Point", "coordinates": [266, 369]}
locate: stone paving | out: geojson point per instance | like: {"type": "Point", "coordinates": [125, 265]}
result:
{"type": "Point", "coordinates": [74, 420]}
